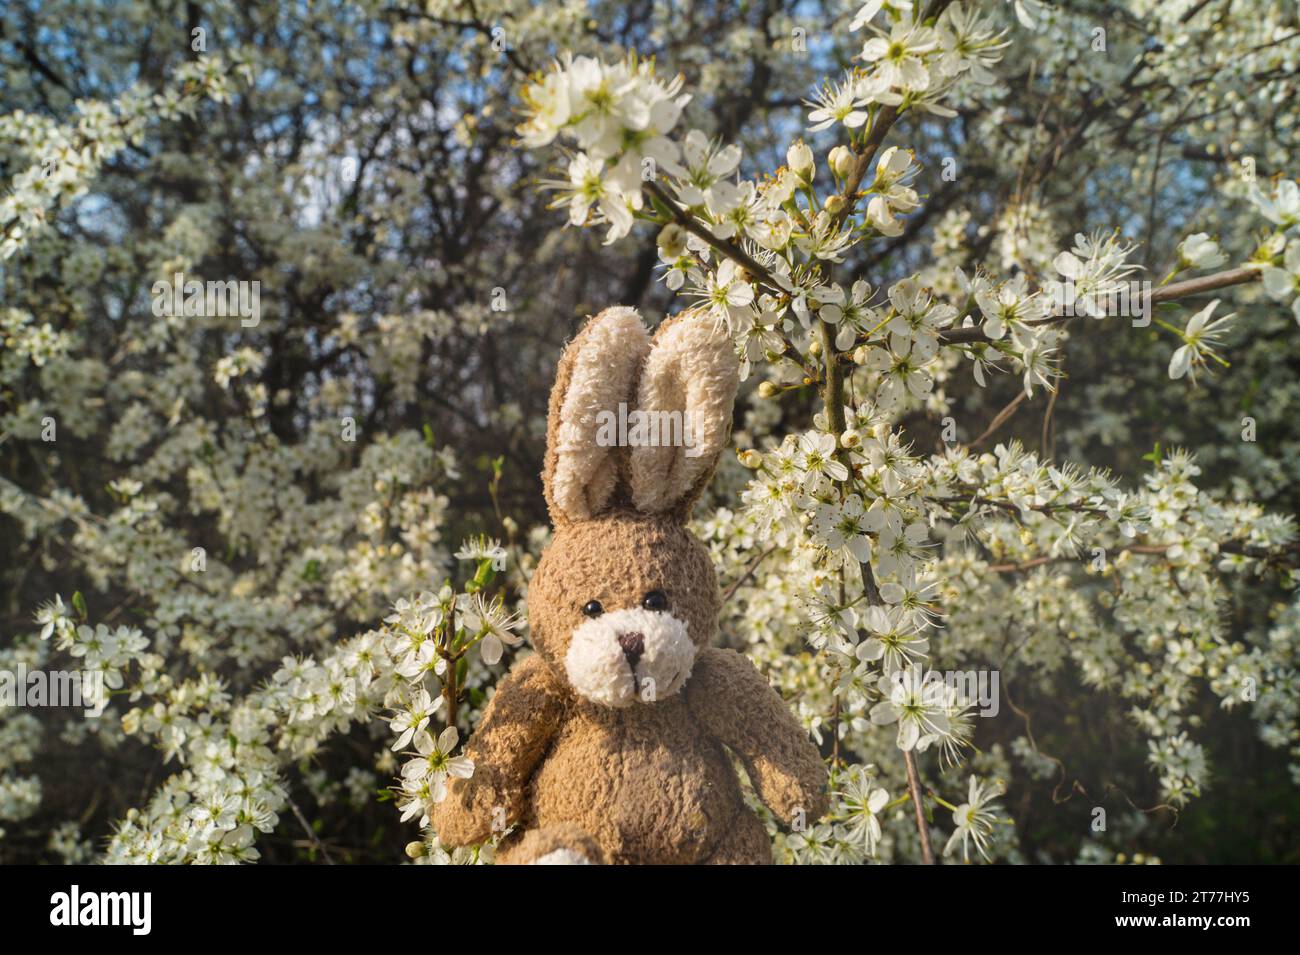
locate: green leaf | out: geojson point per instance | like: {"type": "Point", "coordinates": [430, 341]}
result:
{"type": "Point", "coordinates": [79, 605]}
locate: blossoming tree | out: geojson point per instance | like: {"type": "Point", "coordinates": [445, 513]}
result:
{"type": "Point", "coordinates": [969, 255]}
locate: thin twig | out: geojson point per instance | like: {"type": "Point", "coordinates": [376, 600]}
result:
{"type": "Point", "coordinates": [701, 231]}
{"type": "Point", "coordinates": [749, 572]}
{"type": "Point", "coordinates": [1197, 286]}
{"type": "Point", "coordinates": [1274, 555]}
{"type": "Point", "coordinates": [1002, 416]}
{"type": "Point", "coordinates": [1047, 421]}
{"type": "Point", "coordinates": [914, 787]}
{"type": "Point", "coordinates": [311, 833]}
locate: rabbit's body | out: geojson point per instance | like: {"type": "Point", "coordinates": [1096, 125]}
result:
{"type": "Point", "coordinates": [612, 742]}
{"type": "Point", "coordinates": [644, 782]}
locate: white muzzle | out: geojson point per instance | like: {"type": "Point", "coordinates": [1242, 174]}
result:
{"type": "Point", "coordinates": [607, 664]}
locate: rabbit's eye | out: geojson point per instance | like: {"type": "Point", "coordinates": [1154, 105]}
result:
{"type": "Point", "coordinates": [655, 600]}
{"type": "Point", "coordinates": [592, 608]}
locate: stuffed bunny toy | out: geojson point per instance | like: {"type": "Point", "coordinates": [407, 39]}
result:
{"type": "Point", "coordinates": [610, 743]}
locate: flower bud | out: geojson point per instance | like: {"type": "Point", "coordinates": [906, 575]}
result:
{"type": "Point", "coordinates": [767, 390]}
{"type": "Point", "coordinates": [850, 439]}
{"type": "Point", "coordinates": [814, 347]}
{"type": "Point", "coordinates": [841, 160]}
{"type": "Point", "coordinates": [414, 850]}
{"type": "Point", "coordinates": [799, 157]}
{"type": "Point", "coordinates": [750, 458]}
{"type": "Point", "coordinates": [834, 205]}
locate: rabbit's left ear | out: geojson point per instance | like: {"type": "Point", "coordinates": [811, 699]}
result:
{"type": "Point", "coordinates": [688, 389]}
{"type": "Point", "coordinates": [597, 374]}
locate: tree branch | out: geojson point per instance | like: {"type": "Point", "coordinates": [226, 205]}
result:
{"type": "Point", "coordinates": [914, 787]}
{"type": "Point", "coordinates": [1185, 289]}
{"type": "Point", "coordinates": [1274, 555]}
{"type": "Point", "coordinates": [697, 228]}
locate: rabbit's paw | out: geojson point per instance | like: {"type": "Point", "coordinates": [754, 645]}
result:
{"type": "Point", "coordinates": [552, 845]}
{"type": "Point", "coordinates": [563, 857]}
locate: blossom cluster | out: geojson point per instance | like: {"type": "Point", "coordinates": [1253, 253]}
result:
{"type": "Point", "coordinates": [72, 155]}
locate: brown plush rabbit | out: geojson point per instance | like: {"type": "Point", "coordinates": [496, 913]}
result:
{"type": "Point", "coordinates": [609, 744]}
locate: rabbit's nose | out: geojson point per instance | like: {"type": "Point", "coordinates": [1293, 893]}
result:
{"type": "Point", "coordinates": [633, 645]}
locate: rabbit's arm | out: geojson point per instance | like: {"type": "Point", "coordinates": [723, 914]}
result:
{"type": "Point", "coordinates": [735, 704]}
{"type": "Point", "coordinates": [507, 745]}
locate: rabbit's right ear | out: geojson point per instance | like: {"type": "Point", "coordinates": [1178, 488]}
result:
{"type": "Point", "coordinates": [597, 373]}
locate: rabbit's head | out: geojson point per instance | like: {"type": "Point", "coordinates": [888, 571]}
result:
{"type": "Point", "coordinates": [625, 595]}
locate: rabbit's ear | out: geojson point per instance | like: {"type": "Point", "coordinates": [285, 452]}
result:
{"type": "Point", "coordinates": [687, 389]}
{"type": "Point", "coordinates": [597, 372]}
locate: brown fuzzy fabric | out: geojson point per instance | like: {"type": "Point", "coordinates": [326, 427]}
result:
{"type": "Point", "coordinates": [526, 847]}
{"type": "Point", "coordinates": [617, 559]}
{"type": "Point", "coordinates": [605, 356]}
{"type": "Point", "coordinates": [650, 782]}
{"type": "Point", "coordinates": [691, 365]}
